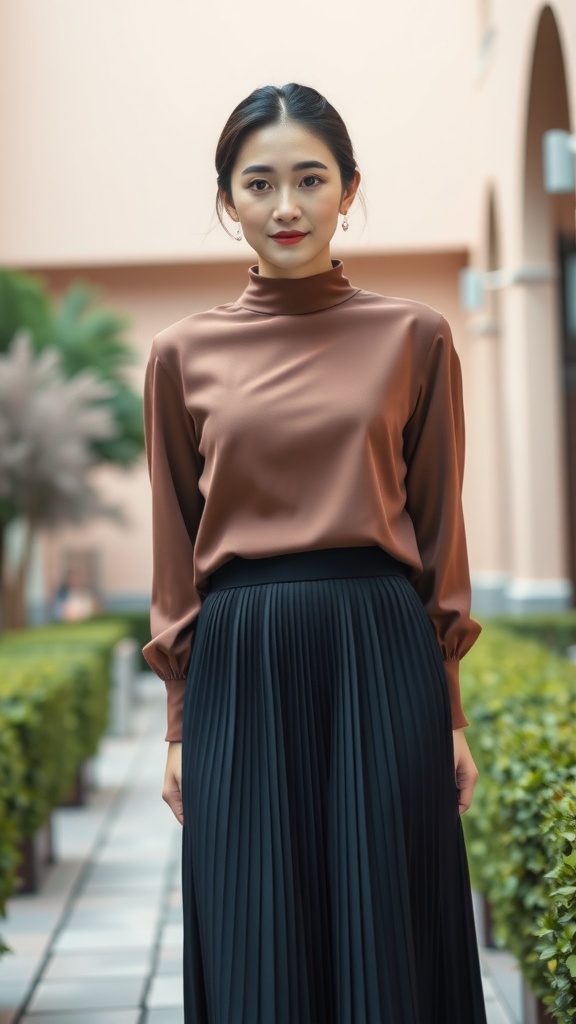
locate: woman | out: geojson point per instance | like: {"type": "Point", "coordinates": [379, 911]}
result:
{"type": "Point", "coordinates": [310, 606]}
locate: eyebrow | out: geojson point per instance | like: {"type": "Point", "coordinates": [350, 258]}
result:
{"type": "Point", "coordinates": [304, 165]}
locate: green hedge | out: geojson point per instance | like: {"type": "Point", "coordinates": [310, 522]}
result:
{"type": "Point", "coordinates": [87, 647]}
{"type": "Point", "coordinates": [557, 631]}
{"type": "Point", "coordinates": [11, 806]}
{"type": "Point", "coordinates": [54, 704]}
{"type": "Point", "coordinates": [37, 702]}
{"type": "Point", "coordinates": [521, 699]}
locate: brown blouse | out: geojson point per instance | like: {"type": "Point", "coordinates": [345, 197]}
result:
{"type": "Point", "coordinates": [308, 414]}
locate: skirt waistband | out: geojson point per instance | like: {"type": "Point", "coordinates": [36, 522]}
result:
{"type": "Point", "coordinates": [328, 563]}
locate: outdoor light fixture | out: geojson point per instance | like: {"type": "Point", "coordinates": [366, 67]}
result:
{"type": "Point", "coordinates": [559, 152]}
{"type": "Point", "coordinates": [473, 284]}
{"type": "Point", "coordinates": [471, 289]}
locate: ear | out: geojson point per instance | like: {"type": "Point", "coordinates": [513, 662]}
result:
{"type": "Point", "coordinates": [227, 204]}
{"type": "Point", "coordinates": [349, 193]}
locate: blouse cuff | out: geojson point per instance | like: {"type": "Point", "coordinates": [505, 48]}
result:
{"type": "Point", "coordinates": [452, 670]}
{"type": "Point", "coordinates": [175, 692]}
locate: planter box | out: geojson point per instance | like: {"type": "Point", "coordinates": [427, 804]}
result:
{"type": "Point", "coordinates": [488, 925]}
{"type": "Point", "coordinates": [36, 853]}
{"type": "Point", "coordinates": [533, 1010]}
{"type": "Point", "coordinates": [81, 787]}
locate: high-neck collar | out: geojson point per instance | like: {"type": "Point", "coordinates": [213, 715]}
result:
{"type": "Point", "coordinates": [287, 295]}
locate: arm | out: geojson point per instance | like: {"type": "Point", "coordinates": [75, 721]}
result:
{"type": "Point", "coordinates": [174, 465]}
{"type": "Point", "coordinates": [434, 455]}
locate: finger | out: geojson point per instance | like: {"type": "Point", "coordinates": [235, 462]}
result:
{"type": "Point", "coordinates": [465, 799]}
{"type": "Point", "coordinates": [173, 797]}
{"type": "Point", "coordinates": [465, 793]}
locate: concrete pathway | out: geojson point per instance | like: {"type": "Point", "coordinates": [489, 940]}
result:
{"type": "Point", "coordinates": [101, 943]}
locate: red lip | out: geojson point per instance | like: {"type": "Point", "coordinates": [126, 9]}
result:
{"type": "Point", "coordinates": [289, 237]}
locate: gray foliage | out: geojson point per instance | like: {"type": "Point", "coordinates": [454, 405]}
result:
{"type": "Point", "coordinates": [47, 425]}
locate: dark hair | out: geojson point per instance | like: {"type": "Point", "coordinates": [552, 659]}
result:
{"type": "Point", "coordinates": [269, 105]}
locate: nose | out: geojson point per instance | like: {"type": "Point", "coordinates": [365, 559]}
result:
{"type": "Point", "coordinates": [287, 208]}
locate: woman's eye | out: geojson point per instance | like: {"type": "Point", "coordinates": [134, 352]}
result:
{"type": "Point", "coordinates": [258, 185]}
{"type": "Point", "coordinates": [310, 180]}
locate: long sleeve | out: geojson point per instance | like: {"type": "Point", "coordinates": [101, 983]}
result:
{"type": "Point", "coordinates": [174, 465]}
{"type": "Point", "coordinates": [434, 455]}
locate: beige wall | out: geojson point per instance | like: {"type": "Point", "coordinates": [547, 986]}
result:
{"type": "Point", "coordinates": [111, 111]}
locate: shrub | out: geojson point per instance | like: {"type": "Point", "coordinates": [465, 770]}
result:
{"type": "Point", "coordinates": [557, 933]}
{"type": "Point", "coordinates": [522, 699]}
{"type": "Point", "coordinates": [37, 702]}
{"type": "Point", "coordinates": [11, 782]}
{"type": "Point", "coordinates": [54, 684]}
{"type": "Point", "coordinates": [555, 631]}
{"type": "Point", "coordinates": [87, 647]}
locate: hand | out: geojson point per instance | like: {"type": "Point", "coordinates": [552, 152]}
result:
{"type": "Point", "coordinates": [172, 788]}
{"type": "Point", "coordinates": [466, 770]}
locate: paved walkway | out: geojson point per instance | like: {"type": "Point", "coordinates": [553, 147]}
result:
{"type": "Point", "coordinates": [101, 943]}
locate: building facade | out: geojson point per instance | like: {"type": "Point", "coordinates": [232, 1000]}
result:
{"type": "Point", "coordinates": [110, 114]}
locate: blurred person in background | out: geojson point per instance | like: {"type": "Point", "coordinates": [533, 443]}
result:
{"type": "Point", "coordinates": [74, 599]}
{"type": "Point", "coordinates": [311, 604]}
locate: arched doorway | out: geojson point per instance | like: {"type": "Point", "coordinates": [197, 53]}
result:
{"type": "Point", "coordinates": [548, 228]}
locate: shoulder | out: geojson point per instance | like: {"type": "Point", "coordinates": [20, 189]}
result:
{"type": "Point", "coordinates": [173, 344]}
{"type": "Point", "coordinates": [409, 311]}
{"type": "Point", "coordinates": [419, 325]}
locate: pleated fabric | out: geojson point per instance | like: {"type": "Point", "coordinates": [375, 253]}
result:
{"type": "Point", "coordinates": [323, 865]}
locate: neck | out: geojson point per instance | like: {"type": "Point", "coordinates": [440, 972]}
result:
{"type": "Point", "coordinates": [286, 296]}
{"type": "Point", "coordinates": [319, 265]}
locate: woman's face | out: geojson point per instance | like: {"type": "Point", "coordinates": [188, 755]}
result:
{"type": "Point", "coordinates": [287, 193]}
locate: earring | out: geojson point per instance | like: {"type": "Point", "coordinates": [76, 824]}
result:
{"type": "Point", "coordinates": [345, 224]}
{"type": "Point", "coordinates": [239, 234]}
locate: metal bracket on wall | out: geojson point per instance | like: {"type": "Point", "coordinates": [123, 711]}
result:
{"type": "Point", "coordinates": [473, 283]}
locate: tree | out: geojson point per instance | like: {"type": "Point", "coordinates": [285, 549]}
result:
{"type": "Point", "coordinates": [87, 336]}
{"type": "Point", "coordinates": [65, 407]}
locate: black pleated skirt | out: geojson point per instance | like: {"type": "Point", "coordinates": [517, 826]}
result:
{"type": "Point", "coordinates": [324, 871]}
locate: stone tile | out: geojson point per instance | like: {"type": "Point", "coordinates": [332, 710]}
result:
{"type": "Point", "coordinates": [129, 963]}
{"type": "Point", "coordinates": [135, 853]}
{"type": "Point", "coordinates": [175, 898]}
{"type": "Point", "coordinates": [128, 875]}
{"type": "Point", "coordinates": [174, 915]}
{"type": "Point", "coordinates": [28, 943]}
{"type": "Point", "coordinates": [17, 968]}
{"type": "Point", "coordinates": [506, 980]}
{"type": "Point", "coordinates": [172, 935]}
{"type": "Point", "coordinates": [104, 993]}
{"type": "Point", "coordinates": [165, 992]}
{"type": "Point", "coordinates": [164, 1016]}
{"type": "Point", "coordinates": [13, 994]}
{"type": "Point", "coordinates": [495, 1012]}
{"type": "Point", "coordinates": [36, 919]}
{"type": "Point", "coordinates": [105, 939]}
{"type": "Point", "coordinates": [88, 1017]}
{"type": "Point", "coordinates": [127, 917]}
{"type": "Point", "coordinates": [169, 960]}
{"type": "Point", "coordinates": [110, 901]}
{"type": "Point", "coordinates": [148, 889]}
